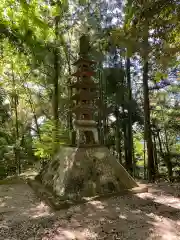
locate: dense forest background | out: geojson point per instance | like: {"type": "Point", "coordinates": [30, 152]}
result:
{"type": "Point", "coordinates": [136, 46]}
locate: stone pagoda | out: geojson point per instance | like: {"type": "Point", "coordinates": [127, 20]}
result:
{"type": "Point", "coordinates": [83, 99]}
{"type": "Point", "coordinates": [85, 168]}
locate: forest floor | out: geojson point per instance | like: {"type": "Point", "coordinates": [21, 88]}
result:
{"type": "Point", "coordinates": [144, 216]}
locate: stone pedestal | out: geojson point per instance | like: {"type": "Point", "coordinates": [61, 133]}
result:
{"type": "Point", "coordinates": [85, 172]}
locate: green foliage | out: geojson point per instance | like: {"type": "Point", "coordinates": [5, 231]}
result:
{"type": "Point", "coordinates": [159, 76]}
{"type": "Point", "coordinates": [139, 149]}
{"type": "Point", "coordinates": [43, 148]}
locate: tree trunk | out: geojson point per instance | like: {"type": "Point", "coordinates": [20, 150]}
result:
{"type": "Point", "coordinates": [15, 105]}
{"type": "Point", "coordinates": [130, 134]}
{"type": "Point", "coordinates": [34, 115]}
{"type": "Point", "coordinates": [160, 143]}
{"type": "Point", "coordinates": [70, 121]}
{"type": "Point", "coordinates": [118, 134]}
{"type": "Point", "coordinates": [56, 89]}
{"type": "Point", "coordinates": [155, 156]}
{"type": "Point", "coordinates": [125, 144]}
{"type": "Point", "coordinates": [105, 121]}
{"type": "Point", "coordinates": [168, 157]}
{"type": "Point", "coordinates": [27, 90]}
{"type": "Point", "coordinates": [101, 113]}
{"type": "Point", "coordinates": [144, 158]}
{"type": "Point", "coordinates": [147, 124]}
{"type": "Point", "coordinates": [17, 150]}
{"type": "Point", "coordinates": [70, 115]}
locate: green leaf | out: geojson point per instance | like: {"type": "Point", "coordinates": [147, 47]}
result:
{"type": "Point", "coordinates": [98, 56]}
{"type": "Point", "coordinates": [83, 2]}
{"type": "Point", "coordinates": [159, 76]}
{"type": "Point", "coordinates": [92, 22]}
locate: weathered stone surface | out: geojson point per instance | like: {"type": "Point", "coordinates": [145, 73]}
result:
{"type": "Point", "coordinates": [85, 172]}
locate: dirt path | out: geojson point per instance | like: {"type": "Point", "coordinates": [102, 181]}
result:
{"type": "Point", "coordinates": [154, 215]}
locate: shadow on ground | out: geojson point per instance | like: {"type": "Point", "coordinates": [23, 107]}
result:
{"type": "Point", "coordinates": [167, 188]}
{"type": "Point", "coordinates": [140, 216]}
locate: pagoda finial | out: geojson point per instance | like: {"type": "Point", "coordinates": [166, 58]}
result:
{"type": "Point", "coordinates": [84, 45]}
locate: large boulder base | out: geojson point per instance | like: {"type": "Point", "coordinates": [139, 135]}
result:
{"type": "Point", "coordinates": [85, 172]}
